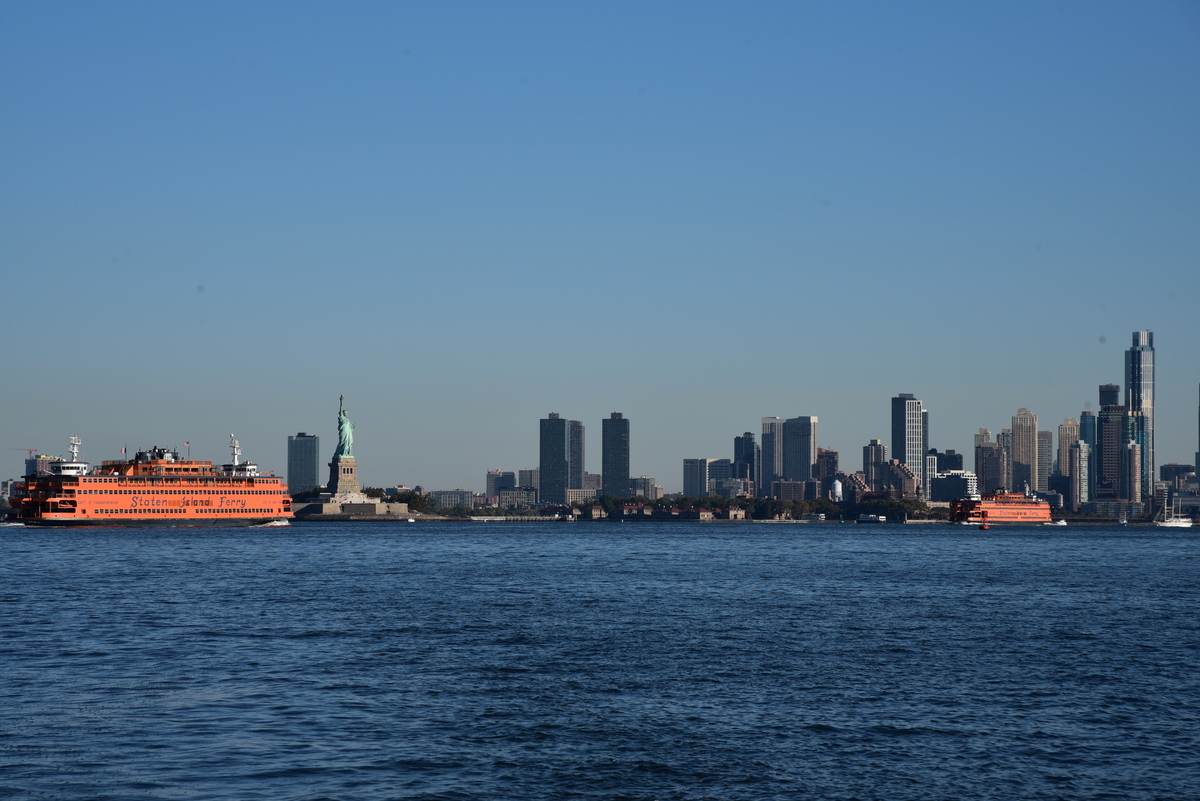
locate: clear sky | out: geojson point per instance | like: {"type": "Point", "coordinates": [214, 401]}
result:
{"type": "Point", "coordinates": [216, 218]}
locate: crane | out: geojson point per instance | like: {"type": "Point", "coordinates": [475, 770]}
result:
{"type": "Point", "coordinates": [30, 451]}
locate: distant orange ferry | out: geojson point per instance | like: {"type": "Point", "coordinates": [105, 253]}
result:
{"type": "Point", "coordinates": [155, 488]}
{"type": "Point", "coordinates": [1000, 507]}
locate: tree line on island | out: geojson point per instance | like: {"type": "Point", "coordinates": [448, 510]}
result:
{"type": "Point", "coordinates": [756, 508]}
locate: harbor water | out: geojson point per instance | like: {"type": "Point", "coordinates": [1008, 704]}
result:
{"type": "Point", "coordinates": [600, 661]}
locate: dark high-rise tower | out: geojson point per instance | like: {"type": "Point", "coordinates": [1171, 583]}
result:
{"type": "Point", "coordinates": [614, 458]}
{"type": "Point", "coordinates": [304, 461]}
{"type": "Point", "coordinates": [1139, 397]}
{"type": "Point", "coordinates": [1110, 395]}
{"type": "Point", "coordinates": [554, 460]}
{"type": "Point", "coordinates": [575, 454]}
{"type": "Point", "coordinates": [747, 460]}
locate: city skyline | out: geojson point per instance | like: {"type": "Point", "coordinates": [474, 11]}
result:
{"type": "Point", "coordinates": [217, 217]}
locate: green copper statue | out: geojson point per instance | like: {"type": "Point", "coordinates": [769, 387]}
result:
{"type": "Point", "coordinates": [345, 444]}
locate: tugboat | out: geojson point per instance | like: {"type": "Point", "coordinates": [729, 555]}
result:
{"type": "Point", "coordinates": [155, 488]}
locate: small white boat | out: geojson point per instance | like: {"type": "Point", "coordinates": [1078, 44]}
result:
{"type": "Point", "coordinates": [1055, 523]}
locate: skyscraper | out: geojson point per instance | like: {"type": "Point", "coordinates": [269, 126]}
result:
{"type": "Point", "coordinates": [747, 459]}
{"type": "Point", "coordinates": [1045, 460]}
{"type": "Point", "coordinates": [553, 460]}
{"type": "Point", "coordinates": [497, 480]}
{"type": "Point", "coordinates": [1068, 434]}
{"type": "Point", "coordinates": [1005, 440]}
{"type": "Point", "coordinates": [874, 456]}
{"type": "Point", "coordinates": [772, 453]}
{"type": "Point", "coordinates": [1139, 397]}
{"type": "Point", "coordinates": [614, 460]}
{"type": "Point", "coordinates": [1080, 463]}
{"type": "Point", "coordinates": [799, 448]}
{"type": "Point", "coordinates": [304, 461]}
{"type": "Point", "coordinates": [910, 438]}
{"type": "Point", "coordinates": [1106, 460]}
{"type": "Point", "coordinates": [575, 455]}
{"type": "Point", "coordinates": [1110, 395]}
{"type": "Point", "coordinates": [1024, 450]}
{"type": "Point", "coordinates": [1087, 433]}
{"type": "Point", "coordinates": [696, 476]}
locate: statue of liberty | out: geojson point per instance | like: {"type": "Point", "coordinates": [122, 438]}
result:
{"type": "Point", "coordinates": [345, 433]}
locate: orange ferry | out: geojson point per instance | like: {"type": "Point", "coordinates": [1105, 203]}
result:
{"type": "Point", "coordinates": [155, 488]}
{"type": "Point", "coordinates": [1000, 507]}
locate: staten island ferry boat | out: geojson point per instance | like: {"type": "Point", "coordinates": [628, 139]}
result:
{"type": "Point", "coordinates": [154, 488]}
{"type": "Point", "coordinates": [1000, 507]}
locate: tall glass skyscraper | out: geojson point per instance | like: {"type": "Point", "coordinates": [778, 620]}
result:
{"type": "Point", "coordinates": [614, 459]}
{"type": "Point", "coordinates": [304, 459]}
{"type": "Point", "coordinates": [1139, 397]}
{"type": "Point", "coordinates": [799, 448]}
{"type": "Point", "coordinates": [553, 459]}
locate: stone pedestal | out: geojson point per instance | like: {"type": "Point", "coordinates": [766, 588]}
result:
{"type": "Point", "coordinates": [343, 479]}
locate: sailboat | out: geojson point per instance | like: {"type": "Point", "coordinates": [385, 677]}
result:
{"type": "Point", "coordinates": [1172, 518]}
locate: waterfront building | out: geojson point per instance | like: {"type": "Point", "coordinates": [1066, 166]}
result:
{"type": "Point", "coordinates": [593, 481]}
{"type": "Point", "coordinates": [498, 480]}
{"type": "Point", "coordinates": [614, 460]}
{"type": "Point", "coordinates": [304, 462]}
{"type": "Point", "coordinates": [874, 455]}
{"type": "Point", "coordinates": [772, 450]}
{"type": "Point", "coordinates": [448, 499]}
{"type": "Point", "coordinates": [1045, 459]}
{"type": "Point", "coordinates": [719, 470]}
{"type": "Point", "coordinates": [517, 498]}
{"type": "Point", "coordinates": [910, 433]}
{"type": "Point", "coordinates": [1139, 399]}
{"type": "Point", "coordinates": [554, 460]}
{"type": "Point", "coordinates": [799, 448]}
{"type": "Point", "coordinates": [1024, 450]}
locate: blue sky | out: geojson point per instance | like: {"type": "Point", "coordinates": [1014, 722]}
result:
{"type": "Point", "coordinates": [217, 218]}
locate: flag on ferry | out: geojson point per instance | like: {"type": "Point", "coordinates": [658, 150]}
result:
{"type": "Point", "coordinates": [187, 444]}
{"type": "Point", "coordinates": [122, 450]}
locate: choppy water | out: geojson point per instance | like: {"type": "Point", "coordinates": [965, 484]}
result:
{"type": "Point", "coordinates": [652, 661]}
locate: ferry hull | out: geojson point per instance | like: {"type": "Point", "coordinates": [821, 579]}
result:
{"type": "Point", "coordinates": [43, 522]}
